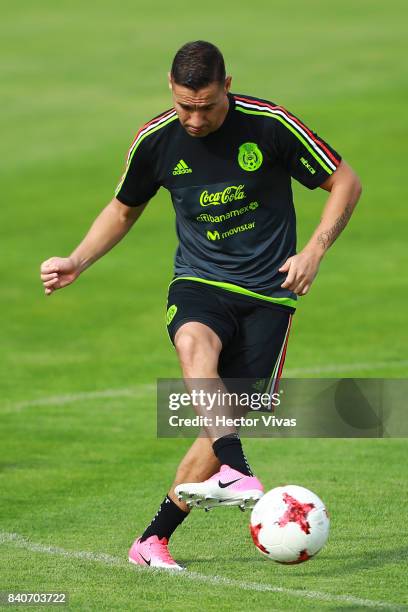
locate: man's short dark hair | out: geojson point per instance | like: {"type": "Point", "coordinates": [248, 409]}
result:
{"type": "Point", "coordinates": [197, 64]}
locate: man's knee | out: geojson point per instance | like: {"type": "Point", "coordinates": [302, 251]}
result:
{"type": "Point", "coordinates": [196, 342]}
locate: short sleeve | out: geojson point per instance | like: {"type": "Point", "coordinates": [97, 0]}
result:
{"type": "Point", "coordinates": [307, 157]}
{"type": "Point", "coordinates": [138, 183]}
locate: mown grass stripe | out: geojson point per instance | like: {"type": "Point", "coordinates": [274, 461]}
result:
{"type": "Point", "coordinates": [19, 541]}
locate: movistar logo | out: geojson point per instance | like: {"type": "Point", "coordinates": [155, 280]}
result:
{"type": "Point", "coordinates": [182, 168]}
{"type": "Point", "coordinates": [307, 165]}
{"type": "Point", "coordinates": [231, 232]}
{"type": "Point", "coordinates": [230, 194]}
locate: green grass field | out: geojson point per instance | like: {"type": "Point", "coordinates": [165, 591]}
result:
{"type": "Point", "coordinates": [81, 470]}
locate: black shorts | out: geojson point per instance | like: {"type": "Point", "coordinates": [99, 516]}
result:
{"type": "Point", "coordinates": [253, 332]}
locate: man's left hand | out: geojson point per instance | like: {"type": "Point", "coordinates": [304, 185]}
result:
{"type": "Point", "coordinates": [301, 269]}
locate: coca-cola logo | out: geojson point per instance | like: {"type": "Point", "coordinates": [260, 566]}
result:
{"type": "Point", "coordinates": [229, 194]}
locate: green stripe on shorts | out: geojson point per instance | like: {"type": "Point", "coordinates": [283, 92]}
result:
{"type": "Point", "coordinates": [284, 301]}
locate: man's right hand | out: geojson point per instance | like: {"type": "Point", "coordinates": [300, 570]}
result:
{"type": "Point", "coordinates": [58, 272]}
{"type": "Point", "coordinates": [108, 229]}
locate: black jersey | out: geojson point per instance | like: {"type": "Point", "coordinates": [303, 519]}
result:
{"type": "Point", "coordinates": [231, 191]}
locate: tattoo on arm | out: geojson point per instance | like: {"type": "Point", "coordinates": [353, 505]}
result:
{"type": "Point", "coordinates": [327, 238]}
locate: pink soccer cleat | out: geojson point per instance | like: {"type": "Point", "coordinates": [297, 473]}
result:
{"type": "Point", "coordinates": [153, 553]}
{"type": "Point", "coordinates": [228, 487]}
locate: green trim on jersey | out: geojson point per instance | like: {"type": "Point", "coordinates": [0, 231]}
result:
{"type": "Point", "coordinates": [284, 301]}
{"type": "Point", "coordinates": [154, 129]}
{"type": "Point", "coordinates": [287, 125]}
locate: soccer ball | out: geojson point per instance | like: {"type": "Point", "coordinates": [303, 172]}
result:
{"type": "Point", "coordinates": [289, 524]}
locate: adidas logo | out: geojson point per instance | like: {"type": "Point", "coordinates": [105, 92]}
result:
{"type": "Point", "coordinates": [182, 168]}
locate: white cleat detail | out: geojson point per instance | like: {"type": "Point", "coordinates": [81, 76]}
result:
{"type": "Point", "coordinates": [226, 488]}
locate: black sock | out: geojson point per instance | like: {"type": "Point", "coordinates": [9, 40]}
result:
{"type": "Point", "coordinates": [167, 519]}
{"type": "Point", "coordinates": [228, 450]}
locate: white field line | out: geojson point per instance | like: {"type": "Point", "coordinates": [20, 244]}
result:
{"type": "Point", "coordinates": [142, 389]}
{"type": "Point", "coordinates": [345, 367]}
{"type": "Point", "coordinates": [19, 541]}
{"type": "Point", "coordinates": [72, 398]}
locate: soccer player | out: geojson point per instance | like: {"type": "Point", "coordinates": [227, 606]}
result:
{"type": "Point", "coordinates": [227, 161]}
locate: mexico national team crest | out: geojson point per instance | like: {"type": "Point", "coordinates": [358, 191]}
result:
{"type": "Point", "coordinates": [250, 156]}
